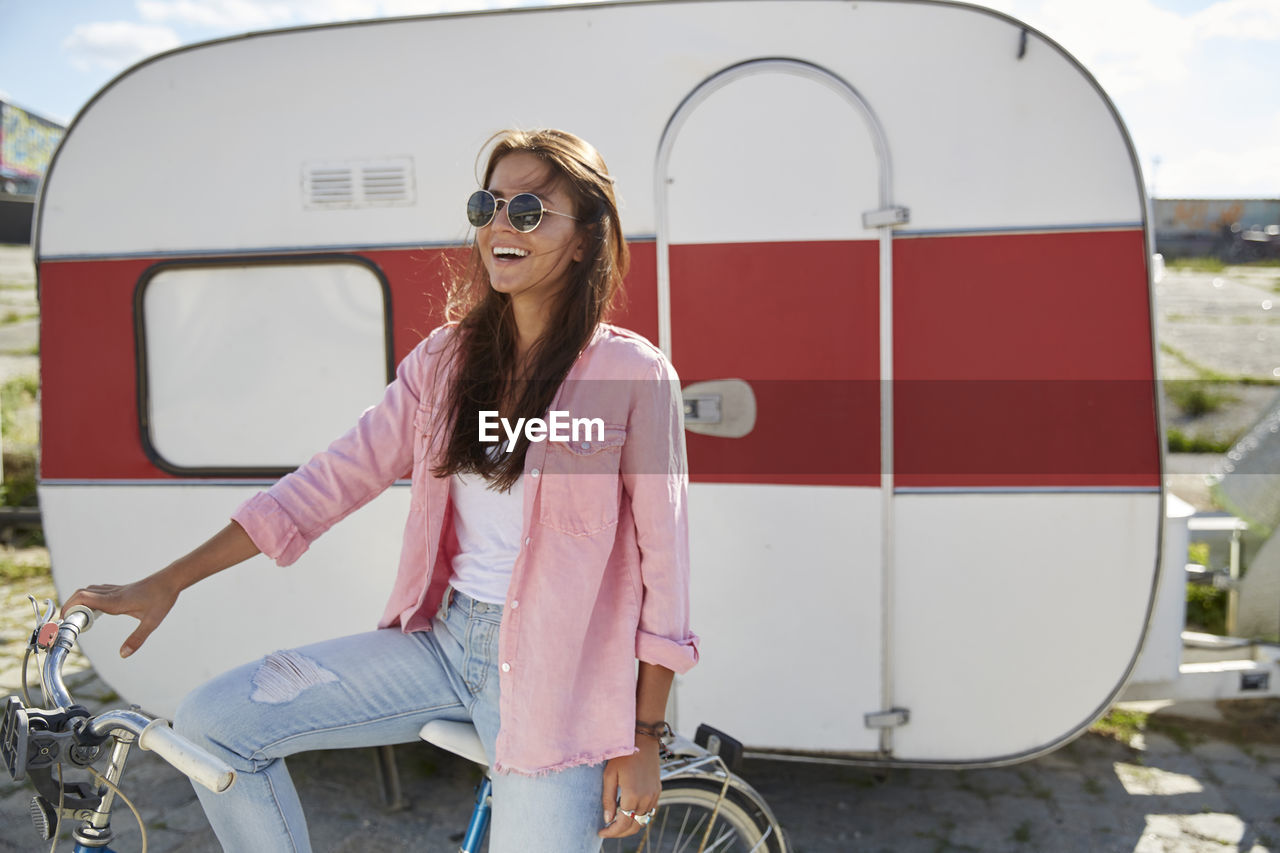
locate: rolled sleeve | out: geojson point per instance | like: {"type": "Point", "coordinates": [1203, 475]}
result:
{"type": "Point", "coordinates": [655, 475]}
{"type": "Point", "coordinates": [358, 466]}
{"type": "Point", "coordinates": [270, 528]}
{"type": "Point", "coordinates": [676, 656]}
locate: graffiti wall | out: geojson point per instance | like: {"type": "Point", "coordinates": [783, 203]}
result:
{"type": "Point", "coordinates": [1233, 229]}
{"type": "Point", "coordinates": [1209, 214]}
{"type": "Point", "coordinates": [27, 142]}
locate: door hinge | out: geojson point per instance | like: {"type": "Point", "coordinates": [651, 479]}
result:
{"type": "Point", "coordinates": [890, 719]}
{"type": "Point", "coordinates": [886, 217]}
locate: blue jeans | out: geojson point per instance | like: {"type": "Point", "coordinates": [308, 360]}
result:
{"type": "Point", "coordinates": [368, 690]}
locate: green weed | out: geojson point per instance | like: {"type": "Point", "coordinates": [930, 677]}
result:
{"type": "Point", "coordinates": [20, 428]}
{"type": "Point", "coordinates": [18, 393]}
{"type": "Point", "coordinates": [1206, 608]}
{"type": "Point", "coordinates": [1121, 724]}
{"type": "Point", "coordinates": [1205, 264]}
{"type": "Point", "coordinates": [1208, 374]}
{"type": "Point", "coordinates": [1196, 398]}
{"type": "Point", "coordinates": [15, 567]}
{"type": "Point", "coordinates": [1177, 441]}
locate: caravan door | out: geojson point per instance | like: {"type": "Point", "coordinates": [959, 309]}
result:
{"type": "Point", "coordinates": [767, 275]}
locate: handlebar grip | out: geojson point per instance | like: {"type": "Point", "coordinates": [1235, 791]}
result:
{"type": "Point", "coordinates": [211, 772]}
{"type": "Point", "coordinates": [85, 614]}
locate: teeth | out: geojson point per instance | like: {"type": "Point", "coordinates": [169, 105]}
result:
{"type": "Point", "coordinates": [509, 251]}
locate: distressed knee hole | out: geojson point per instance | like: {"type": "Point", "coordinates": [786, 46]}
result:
{"type": "Point", "coordinates": [284, 675]}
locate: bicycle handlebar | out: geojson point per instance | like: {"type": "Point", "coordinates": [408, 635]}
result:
{"type": "Point", "coordinates": [77, 620]}
{"type": "Point", "coordinates": [154, 735]}
{"type": "Point", "coordinates": [202, 767]}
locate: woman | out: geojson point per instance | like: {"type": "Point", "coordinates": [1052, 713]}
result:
{"type": "Point", "coordinates": [534, 571]}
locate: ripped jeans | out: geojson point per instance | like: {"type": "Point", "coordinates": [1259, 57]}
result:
{"type": "Point", "coordinates": [368, 690]}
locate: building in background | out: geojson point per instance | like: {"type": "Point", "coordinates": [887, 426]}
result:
{"type": "Point", "coordinates": [1234, 230]}
{"type": "Point", "coordinates": [27, 143]}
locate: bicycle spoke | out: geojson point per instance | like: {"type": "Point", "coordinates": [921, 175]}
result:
{"type": "Point", "coordinates": [690, 837]}
{"type": "Point", "coordinates": [728, 837]}
{"type": "Point", "coordinates": [764, 840]}
{"type": "Point", "coordinates": [696, 820]}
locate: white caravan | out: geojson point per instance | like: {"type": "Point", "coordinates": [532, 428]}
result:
{"type": "Point", "coordinates": [914, 234]}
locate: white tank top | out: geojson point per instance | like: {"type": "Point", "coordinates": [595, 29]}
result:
{"type": "Point", "coordinates": [488, 525]}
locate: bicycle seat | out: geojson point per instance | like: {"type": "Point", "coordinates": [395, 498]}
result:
{"type": "Point", "coordinates": [458, 738]}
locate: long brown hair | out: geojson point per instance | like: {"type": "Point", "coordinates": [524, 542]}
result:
{"type": "Point", "coordinates": [488, 375]}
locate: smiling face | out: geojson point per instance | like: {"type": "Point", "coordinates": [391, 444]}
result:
{"type": "Point", "coordinates": [530, 267]}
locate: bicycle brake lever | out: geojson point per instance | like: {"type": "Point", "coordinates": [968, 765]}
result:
{"type": "Point", "coordinates": [41, 620]}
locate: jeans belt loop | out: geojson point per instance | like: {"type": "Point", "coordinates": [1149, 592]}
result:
{"type": "Point", "coordinates": [444, 603]}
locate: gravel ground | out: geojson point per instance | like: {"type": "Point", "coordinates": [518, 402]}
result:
{"type": "Point", "coordinates": [1228, 322]}
{"type": "Point", "coordinates": [1217, 324]}
{"type": "Point", "coordinates": [19, 313]}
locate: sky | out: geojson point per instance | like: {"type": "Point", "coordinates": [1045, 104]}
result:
{"type": "Point", "coordinates": [1197, 82]}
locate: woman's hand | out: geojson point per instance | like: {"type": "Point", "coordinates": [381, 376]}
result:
{"type": "Point", "coordinates": [631, 782]}
{"type": "Point", "coordinates": [148, 600]}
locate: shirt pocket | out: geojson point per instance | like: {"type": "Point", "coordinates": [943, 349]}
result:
{"type": "Point", "coordinates": [581, 488]}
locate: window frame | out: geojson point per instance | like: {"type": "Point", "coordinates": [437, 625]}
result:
{"type": "Point", "coordinates": [141, 351]}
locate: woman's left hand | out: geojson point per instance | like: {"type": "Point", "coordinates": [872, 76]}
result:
{"type": "Point", "coordinates": [630, 782]}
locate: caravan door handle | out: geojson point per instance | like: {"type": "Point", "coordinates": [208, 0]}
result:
{"type": "Point", "coordinates": [719, 407]}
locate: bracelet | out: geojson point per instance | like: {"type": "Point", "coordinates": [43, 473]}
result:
{"type": "Point", "coordinates": [658, 731]}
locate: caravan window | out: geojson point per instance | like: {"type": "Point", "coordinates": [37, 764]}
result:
{"type": "Point", "coordinates": [246, 367]}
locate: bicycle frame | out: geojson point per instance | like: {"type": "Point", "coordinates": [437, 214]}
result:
{"type": "Point", "coordinates": [478, 826]}
{"type": "Point", "coordinates": [682, 760]}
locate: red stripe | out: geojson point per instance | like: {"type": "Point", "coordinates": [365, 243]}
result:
{"type": "Point", "coordinates": [800, 321]}
{"type": "Point", "coordinates": [1008, 351]}
{"type": "Point", "coordinates": [88, 368]}
{"type": "Point", "coordinates": [88, 384]}
{"type": "Point", "coordinates": [1027, 361]}
{"type": "Point", "coordinates": [1020, 360]}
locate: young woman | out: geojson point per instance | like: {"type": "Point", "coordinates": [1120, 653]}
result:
{"type": "Point", "coordinates": [536, 568]}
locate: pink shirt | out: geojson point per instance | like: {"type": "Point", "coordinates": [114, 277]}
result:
{"type": "Point", "coordinates": [603, 575]}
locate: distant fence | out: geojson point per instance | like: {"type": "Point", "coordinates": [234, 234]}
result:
{"type": "Point", "coordinates": [15, 218]}
{"type": "Point", "coordinates": [1230, 229]}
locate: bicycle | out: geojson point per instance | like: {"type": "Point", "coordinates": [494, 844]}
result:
{"type": "Point", "coordinates": [39, 742]}
{"type": "Point", "coordinates": [704, 805]}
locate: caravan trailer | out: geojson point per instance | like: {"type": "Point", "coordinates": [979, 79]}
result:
{"type": "Point", "coordinates": [897, 250]}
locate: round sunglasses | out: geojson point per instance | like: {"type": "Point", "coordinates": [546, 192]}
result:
{"type": "Point", "coordinates": [524, 210]}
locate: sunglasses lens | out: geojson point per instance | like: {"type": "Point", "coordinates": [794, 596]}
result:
{"type": "Point", "coordinates": [480, 208]}
{"type": "Point", "coordinates": [525, 212]}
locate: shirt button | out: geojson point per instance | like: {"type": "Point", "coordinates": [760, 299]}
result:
{"type": "Point", "coordinates": [586, 445]}
{"type": "Point", "coordinates": [506, 667]}
{"type": "Point", "coordinates": [533, 473]}
{"type": "Point", "coordinates": [528, 540]}
{"type": "Point", "coordinates": [515, 604]}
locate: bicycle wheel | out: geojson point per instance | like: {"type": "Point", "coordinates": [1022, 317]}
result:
{"type": "Point", "coordinates": [680, 825]}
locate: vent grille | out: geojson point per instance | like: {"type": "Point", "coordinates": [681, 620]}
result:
{"type": "Point", "coordinates": [358, 183]}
